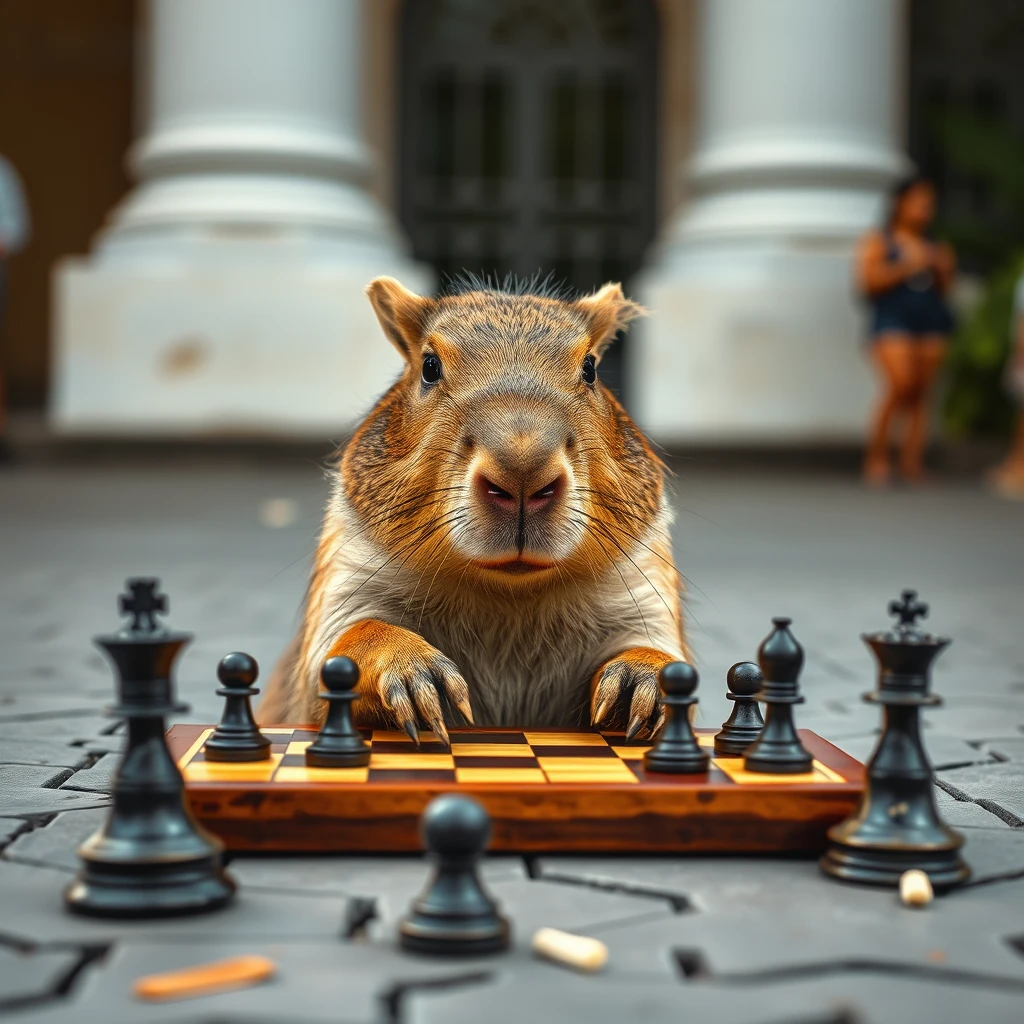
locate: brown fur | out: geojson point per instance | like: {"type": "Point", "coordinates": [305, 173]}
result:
{"type": "Point", "coordinates": [495, 542]}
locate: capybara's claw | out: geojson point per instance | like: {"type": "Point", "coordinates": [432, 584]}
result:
{"type": "Point", "coordinates": [625, 692]}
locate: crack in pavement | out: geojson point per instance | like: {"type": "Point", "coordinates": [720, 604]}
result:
{"type": "Point", "coordinates": [991, 806]}
{"type": "Point", "coordinates": [678, 902]}
{"type": "Point", "coordinates": [88, 953]}
{"type": "Point", "coordinates": [359, 912]}
{"type": "Point", "coordinates": [694, 967]}
{"type": "Point", "coordinates": [393, 998]}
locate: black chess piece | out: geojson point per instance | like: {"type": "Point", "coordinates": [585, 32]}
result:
{"type": "Point", "coordinates": [454, 914]}
{"type": "Point", "coordinates": [677, 751]}
{"type": "Point", "coordinates": [150, 858]}
{"type": "Point", "coordinates": [339, 744]}
{"type": "Point", "coordinates": [778, 750]}
{"type": "Point", "coordinates": [237, 737]}
{"type": "Point", "coordinates": [745, 723]}
{"type": "Point", "coordinates": [897, 825]}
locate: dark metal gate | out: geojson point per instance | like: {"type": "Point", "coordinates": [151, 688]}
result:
{"type": "Point", "coordinates": [528, 136]}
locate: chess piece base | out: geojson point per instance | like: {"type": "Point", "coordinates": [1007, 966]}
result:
{"type": "Point", "coordinates": [868, 866]}
{"type": "Point", "coordinates": [657, 759]}
{"type": "Point", "coordinates": [784, 763]}
{"type": "Point", "coordinates": [736, 742]}
{"type": "Point", "coordinates": [149, 890]}
{"type": "Point", "coordinates": [357, 758]}
{"type": "Point", "coordinates": [423, 932]}
{"type": "Point", "coordinates": [230, 749]}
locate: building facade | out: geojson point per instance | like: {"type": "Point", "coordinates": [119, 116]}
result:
{"type": "Point", "coordinates": [720, 156]}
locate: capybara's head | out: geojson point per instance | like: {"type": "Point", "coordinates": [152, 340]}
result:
{"type": "Point", "coordinates": [499, 458]}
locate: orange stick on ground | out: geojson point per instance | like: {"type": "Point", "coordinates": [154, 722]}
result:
{"type": "Point", "coordinates": [236, 972]}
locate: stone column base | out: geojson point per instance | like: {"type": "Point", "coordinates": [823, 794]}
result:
{"type": "Point", "coordinates": [205, 350]}
{"type": "Point", "coordinates": [763, 355]}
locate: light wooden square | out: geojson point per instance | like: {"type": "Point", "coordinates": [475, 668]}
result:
{"type": "Point", "coordinates": [733, 767]}
{"type": "Point", "coordinates": [585, 769]}
{"type": "Point", "coordinates": [566, 739]}
{"type": "Point", "coordinates": [231, 771]}
{"type": "Point", "coordinates": [411, 761]}
{"type": "Point", "coordinates": [631, 753]}
{"type": "Point", "coordinates": [499, 775]}
{"type": "Point", "coordinates": [492, 749]}
{"type": "Point", "coordinates": [398, 736]}
{"type": "Point", "coordinates": [303, 773]}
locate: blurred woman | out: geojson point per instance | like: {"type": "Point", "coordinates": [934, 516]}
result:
{"type": "Point", "coordinates": [906, 277]}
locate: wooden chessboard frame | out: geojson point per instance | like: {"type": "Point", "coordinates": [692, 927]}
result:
{"type": "Point", "coordinates": [560, 791]}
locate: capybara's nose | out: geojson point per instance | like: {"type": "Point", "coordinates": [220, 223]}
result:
{"type": "Point", "coordinates": [508, 495]}
{"type": "Point", "coordinates": [544, 496]}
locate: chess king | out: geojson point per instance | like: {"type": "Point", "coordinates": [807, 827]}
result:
{"type": "Point", "coordinates": [497, 536]}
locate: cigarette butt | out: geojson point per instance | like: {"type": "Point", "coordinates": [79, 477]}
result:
{"type": "Point", "coordinates": [236, 972]}
{"type": "Point", "coordinates": [577, 951]}
{"type": "Point", "coordinates": [915, 888]}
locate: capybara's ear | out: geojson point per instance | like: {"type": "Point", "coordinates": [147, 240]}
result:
{"type": "Point", "coordinates": [607, 312]}
{"type": "Point", "coordinates": [402, 314]}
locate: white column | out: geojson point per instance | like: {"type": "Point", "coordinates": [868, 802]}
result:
{"type": "Point", "coordinates": [225, 292]}
{"type": "Point", "coordinates": [755, 333]}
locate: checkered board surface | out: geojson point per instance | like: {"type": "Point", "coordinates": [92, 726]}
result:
{"type": "Point", "coordinates": [480, 758]}
{"type": "Point", "coordinates": [546, 791]}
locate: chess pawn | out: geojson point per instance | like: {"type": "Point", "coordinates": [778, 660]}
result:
{"type": "Point", "coordinates": [237, 738]}
{"type": "Point", "coordinates": [745, 723]}
{"type": "Point", "coordinates": [339, 744]}
{"type": "Point", "coordinates": [897, 825]}
{"type": "Point", "coordinates": [778, 750]}
{"type": "Point", "coordinates": [150, 858]}
{"type": "Point", "coordinates": [677, 751]}
{"type": "Point", "coordinates": [454, 915]}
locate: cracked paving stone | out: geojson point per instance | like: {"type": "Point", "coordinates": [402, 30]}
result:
{"type": "Point", "coordinates": [39, 707]}
{"type": "Point", "coordinates": [977, 721]}
{"type": "Point", "coordinates": [28, 975]}
{"type": "Point", "coordinates": [528, 904]}
{"type": "Point", "coordinates": [33, 897]}
{"type": "Point", "coordinates": [958, 814]}
{"type": "Point", "coordinates": [994, 853]}
{"type": "Point", "coordinates": [97, 779]}
{"type": "Point", "coordinates": [851, 997]}
{"type": "Point", "coordinates": [331, 982]}
{"type": "Point", "coordinates": [943, 751]}
{"type": "Point", "coordinates": [9, 828]}
{"type": "Point", "coordinates": [747, 889]}
{"type": "Point", "coordinates": [1001, 784]}
{"type": "Point", "coordinates": [736, 949]}
{"type": "Point", "coordinates": [353, 876]}
{"type": "Point", "coordinates": [19, 750]}
{"type": "Point", "coordinates": [54, 845]}
{"type": "Point", "coordinates": [25, 801]}
{"type": "Point", "coordinates": [1007, 749]}
{"type": "Point", "coordinates": [14, 776]}
{"type": "Point", "coordinates": [86, 736]}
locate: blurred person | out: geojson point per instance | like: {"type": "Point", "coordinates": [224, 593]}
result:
{"type": "Point", "coordinates": [1008, 476]}
{"type": "Point", "coordinates": [905, 276]}
{"type": "Point", "coordinates": [14, 235]}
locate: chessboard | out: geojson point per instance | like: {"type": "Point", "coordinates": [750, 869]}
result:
{"type": "Point", "coordinates": [546, 791]}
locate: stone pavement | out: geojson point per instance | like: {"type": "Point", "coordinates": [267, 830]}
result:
{"type": "Point", "coordinates": [760, 941]}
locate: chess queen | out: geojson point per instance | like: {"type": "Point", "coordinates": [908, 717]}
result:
{"type": "Point", "coordinates": [496, 541]}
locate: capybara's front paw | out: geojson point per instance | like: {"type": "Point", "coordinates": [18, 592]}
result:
{"type": "Point", "coordinates": [625, 690]}
{"type": "Point", "coordinates": [402, 678]}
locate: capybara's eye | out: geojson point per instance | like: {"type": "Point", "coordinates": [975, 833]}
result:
{"type": "Point", "coordinates": [589, 369]}
{"type": "Point", "coordinates": [431, 369]}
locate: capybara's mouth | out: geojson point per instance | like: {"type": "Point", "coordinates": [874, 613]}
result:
{"type": "Point", "coordinates": [515, 566]}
